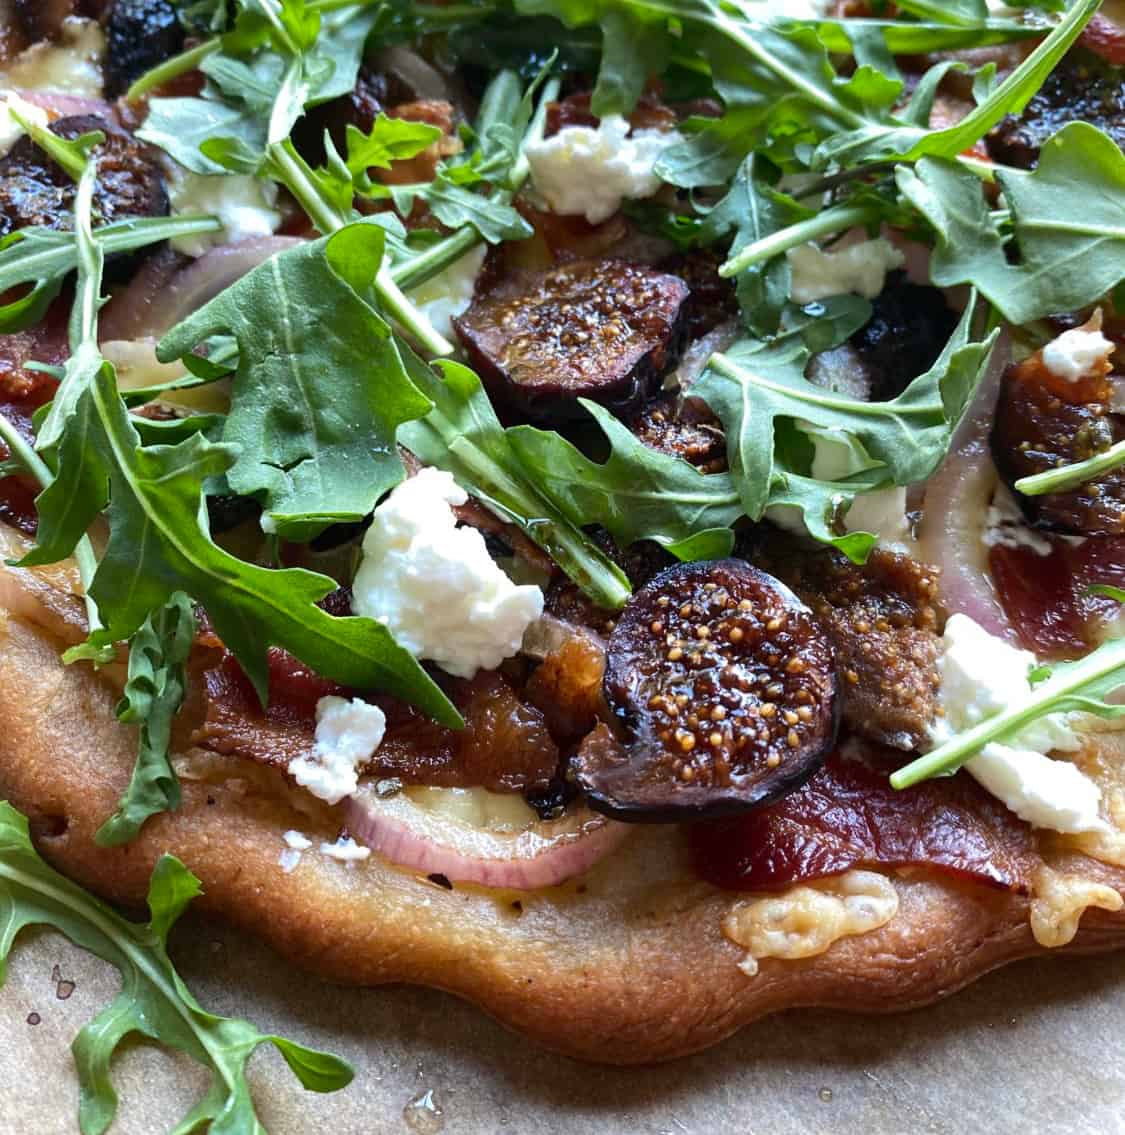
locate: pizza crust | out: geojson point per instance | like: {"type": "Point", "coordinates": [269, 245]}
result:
{"type": "Point", "coordinates": [628, 965]}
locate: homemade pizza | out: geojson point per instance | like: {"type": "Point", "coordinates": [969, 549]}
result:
{"type": "Point", "coordinates": [612, 509]}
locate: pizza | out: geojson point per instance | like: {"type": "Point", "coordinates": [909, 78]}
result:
{"type": "Point", "coordinates": [613, 511]}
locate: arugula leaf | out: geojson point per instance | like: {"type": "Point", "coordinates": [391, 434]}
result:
{"type": "Point", "coordinates": [759, 383]}
{"type": "Point", "coordinates": [43, 258]}
{"type": "Point", "coordinates": [315, 449]}
{"type": "Point", "coordinates": [1066, 477]}
{"type": "Point", "coordinates": [462, 435]}
{"type": "Point", "coordinates": [153, 694]}
{"type": "Point", "coordinates": [1067, 216]}
{"type": "Point", "coordinates": [636, 494]}
{"type": "Point", "coordinates": [389, 140]}
{"type": "Point", "coordinates": [1062, 687]}
{"type": "Point", "coordinates": [154, 1001]}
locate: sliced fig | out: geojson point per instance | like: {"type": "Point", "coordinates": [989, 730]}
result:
{"type": "Point", "coordinates": [34, 190]}
{"type": "Point", "coordinates": [725, 687]}
{"type": "Point", "coordinates": [139, 34]}
{"type": "Point", "coordinates": [600, 329]}
{"type": "Point", "coordinates": [683, 427]}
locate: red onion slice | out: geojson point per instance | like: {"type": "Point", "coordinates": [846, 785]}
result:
{"type": "Point", "coordinates": [543, 855]}
{"type": "Point", "coordinates": [64, 106]}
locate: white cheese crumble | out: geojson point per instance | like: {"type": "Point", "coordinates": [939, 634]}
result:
{"type": "Point", "coordinates": [347, 733]}
{"type": "Point", "coordinates": [1077, 353]}
{"type": "Point", "coordinates": [1006, 527]}
{"type": "Point", "coordinates": [857, 268]}
{"type": "Point", "coordinates": [246, 206]}
{"type": "Point", "coordinates": [583, 171]}
{"type": "Point", "coordinates": [295, 843]}
{"type": "Point", "coordinates": [10, 130]}
{"type": "Point", "coordinates": [434, 585]}
{"type": "Point", "coordinates": [981, 675]}
{"type": "Point", "coordinates": [449, 292]}
{"type": "Point", "coordinates": [345, 850]}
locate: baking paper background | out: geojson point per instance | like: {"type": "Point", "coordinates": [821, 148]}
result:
{"type": "Point", "coordinates": [1038, 1046]}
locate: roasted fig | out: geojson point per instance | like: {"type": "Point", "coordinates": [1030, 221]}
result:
{"type": "Point", "coordinates": [725, 687]}
{"type": "Point", "coordinates": [36, 191]}
{"type": "Point", "coordinates": [1042, 422]}
{"type": "Point", "coordinates": [139, 34]}
{"type": "Point", "coordinates": [600, 329]}
{"type": "Point", "coordinates": [683, 427]}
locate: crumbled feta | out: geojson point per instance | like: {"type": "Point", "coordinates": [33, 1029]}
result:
{"type": "Point", "coordinates": [10, 130]}
{"type": "Point", "coordinates": [434, 585]}
{"type": "Point", "coordinates": [981, 675]}
{"type": "Point", "coordinates": [244, 204]}
{"type": "Point", "coordinates": [449, 292]}
{"type": "Point", "coordinates": [345, 850]}
{"type": "Point", "coordinates": [1077, 353]}
{"type": "Point", "coordinates": [347, 733]}
{"type": "Point", "coordinates": [1006, 527]}
{"type": "Point", "coordinates": [295, 843]}
{"type": "Point", "coordinates": [589, 172]}
{"type": "Point", "coordinates": [857, 268]}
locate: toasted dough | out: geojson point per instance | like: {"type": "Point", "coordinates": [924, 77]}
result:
{"type": "Point", "coordinates": [626, 966]}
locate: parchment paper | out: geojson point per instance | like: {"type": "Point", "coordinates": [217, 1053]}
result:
{"type": "Point", "coordinates": [1037, 1047]}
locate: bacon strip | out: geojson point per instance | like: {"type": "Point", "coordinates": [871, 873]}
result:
{"type": "Point", "coordinates": [848, 816]}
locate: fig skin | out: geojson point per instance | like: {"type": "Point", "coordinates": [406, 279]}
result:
{"type": "Point", "coordinates": [724, 687]}
{"type": "Point", "coordinates": [600, 329]}
{"type": "Point", "coordinates": [139, 35]}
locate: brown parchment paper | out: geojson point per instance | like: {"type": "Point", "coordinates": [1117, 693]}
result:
{"type": "Point", "coordinates": [1036, 1047]}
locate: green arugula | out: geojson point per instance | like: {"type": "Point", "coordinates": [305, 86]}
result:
{"type": "Point", "coordinates": [1067, 219]}
{"type": "Point", "coordinates": [462, 435]}
{"type": "Point", "coordinates": [1063, 687]}
{"type": "Point", "coordinates": [154, 1001]}
{"type": "Point", "coordinates": [313, 449]}
{"type": "Point", "coordinates": [153, 695]}
{"type": "Point", "coordinates": [1066, 477]}
{"type": "Point", "coordinates": [636, 494]}
{"type": "Point", "coordinates": [758, 383]}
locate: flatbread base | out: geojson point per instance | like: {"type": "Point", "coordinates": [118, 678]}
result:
{"type": "Point", "coordinates": [628, 965]}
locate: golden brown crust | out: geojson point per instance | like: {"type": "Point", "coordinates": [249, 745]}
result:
{"type": "Point", "coordinates": [627, 966]}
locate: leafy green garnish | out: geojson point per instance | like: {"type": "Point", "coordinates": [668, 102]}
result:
{"type": "Point", "coordinates": [153, 695]}
{"type": "Point", "coordinates": [1067, 477]}
{"type": "Point", "coordinates": [1067, 219]}
{"type": "Point", "coordinates": [314, 449]}
{"type": "Point", "coordinates": [758, 383]}
{"type": "Point", "coordinates": [1062, 687]}
{"type": "Point", "coordinates": [154, 1001]}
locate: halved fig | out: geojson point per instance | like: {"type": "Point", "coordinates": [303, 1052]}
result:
{"type": "Point", "coordinates": [725, 686]}
{"type": "Point", "coordinates": [600, 329]}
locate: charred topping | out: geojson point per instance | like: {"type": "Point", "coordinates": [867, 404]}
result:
{"type": "Point", "coordinates": [139, 34]}
{"type": "Point", "coordinates": [600, 329]}
{"type": "Point", "coordinates": [726, 689]}
{"type": "Point", "coordinates": [36, 191]}
{"type": "Point", "coordinates": [1042, 422]}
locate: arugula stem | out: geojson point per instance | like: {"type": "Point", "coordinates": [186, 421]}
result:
{"type": "Point", "coordinates": [24, 453]}
{"type": "Point", "coordinates": [829, 221]}
{"type": "Point", "coordinates": [408, 316]}
{"type": "Point", "coordinates": [172, 68]}
{"type": "Point", "coordinates": [1071, 476]}
{"type": "Point", "coordinates": [1057, 691]}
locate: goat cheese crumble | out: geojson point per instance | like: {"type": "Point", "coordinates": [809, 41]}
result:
{"type": "Point", "coordinates": [860, 269]}
{"type": "Point", "coordinates": [345, 850]}
{"type": "Point", "coordinates": [10, 130]}
{"type": "Point", "coordinates": [434, 586]}
{"type": "Point", "coordinates": [1005, 526]}
{"type": "Point", "coordinates": [295, 844]}
{"type": "Point", "coordinates": [1077, 353]}
{"type": "Point", "coordinates": [583, 171]}
{"type": "Point", "coordinates": [982, 675]}
{"type": "Point", "coordinates": [450, 292]}
{"type": "Point", "coordinates": [246, 206]}
{"type": "Point", "coordinates": [347, 734]}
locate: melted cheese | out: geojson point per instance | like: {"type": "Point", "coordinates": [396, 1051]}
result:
{"type": "Point", "coordinates": [805, 920]}
{"type": "Point", "coordinates": [1059, 901]}
{"type": "Point", "coordinates": [72, 64]}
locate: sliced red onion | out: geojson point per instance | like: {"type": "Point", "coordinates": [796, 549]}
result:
{"type": "Point", "coordinates": [543, 855]}
{"type": "Point", "coordinates": [150, 305]}
{"type": "Point", "coordinates": [64, 106]}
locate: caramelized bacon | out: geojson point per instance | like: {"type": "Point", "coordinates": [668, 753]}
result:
{"type": "Point", "coordinates": [1047, 598]}
{"type": "Point", "coordinates": [505, 745]}
{"type": "Point", "coordinates": [848, 815]}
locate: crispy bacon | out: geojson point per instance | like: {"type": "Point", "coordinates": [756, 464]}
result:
{"type": "Point", "coordinates": [505, 745]}
{"type": "Point", "coordinates": [1047, 598]}
{"type": "Point", "coordinates": [848, 815]}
